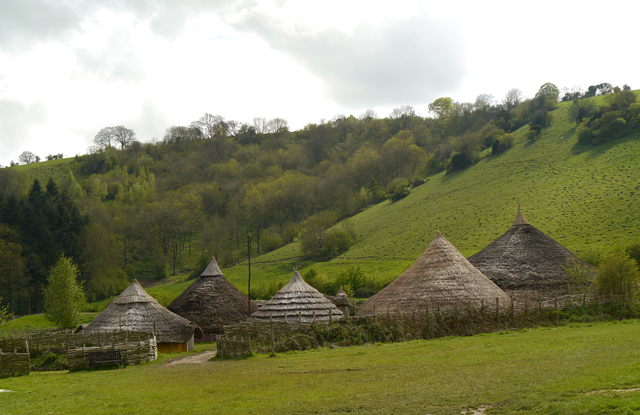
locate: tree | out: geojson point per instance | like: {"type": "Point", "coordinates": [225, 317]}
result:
{"type": "Point", "coordinates": [549, 91]}
{"type": "Point", "coordinates": [108, 136]}
{"type": "Point", "coordinates": [618, 274]}
{"type": "Point", "coordinates": [441, 107]}
{"type": "Point", "coordinates": [104, 138]}
{"type": "Point", "coordinates": [63, 297]}
{"type": "Point", "coordinates": [27, 157]}
{"type": "Point", "coordinates": [123, 135]}
{"type": "Point", "coordinates": [512, 98]}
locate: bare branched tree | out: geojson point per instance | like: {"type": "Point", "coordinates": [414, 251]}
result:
{"type": "Point", "coordinates": [512, 98]}
{"type": "Point", "coordinates": [27, 157]}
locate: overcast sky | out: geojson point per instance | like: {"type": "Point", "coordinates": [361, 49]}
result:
{"type": "Point", "coordinates": [69, 68]}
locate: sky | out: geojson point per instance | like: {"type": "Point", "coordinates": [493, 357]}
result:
{"type": "Point", "coordinates": [68, 68]}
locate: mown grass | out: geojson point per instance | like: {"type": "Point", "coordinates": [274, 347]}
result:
{"type": "Point", "coordinates": [568, 370]}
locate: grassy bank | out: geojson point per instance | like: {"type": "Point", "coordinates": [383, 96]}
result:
{"type": "Point", "coordinates": [570, 370]}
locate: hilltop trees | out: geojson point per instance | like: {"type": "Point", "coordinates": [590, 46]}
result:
{"type": "Point", "coordinates": [27, 157]}
{"type": "Point", "coordinates": [109, 136]}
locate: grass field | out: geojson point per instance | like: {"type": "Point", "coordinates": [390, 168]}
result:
{"type": "Point", "coordinates": [570, 370]}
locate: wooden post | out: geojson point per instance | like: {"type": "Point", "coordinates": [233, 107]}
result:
{"type": "Point", "coordinates": [314, 316]}
{"type": "Point", "coordinates": [330, 317]}
{"type": "Point", "coordinates": [273, 353]}
{"type": "Point", "coordinates": [300, 316]}
{"type": "Point", "coordinates": [249, 262]}
{"type": "Point", "coordinates": [512, 312]}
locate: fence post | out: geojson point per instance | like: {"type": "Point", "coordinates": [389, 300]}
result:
{"type": "Point", "coordinates": [330, 317]}
{"type": "Point", "coordinates": [272, 345]}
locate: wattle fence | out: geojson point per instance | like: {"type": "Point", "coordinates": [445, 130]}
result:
{"type": "Point", "coordinates": [395, 324]}
{"type": "Point", "coordinates": [16, 350]}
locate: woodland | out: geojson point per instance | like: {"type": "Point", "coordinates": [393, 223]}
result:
{"type": "Point", "coordinates": [131, 209]}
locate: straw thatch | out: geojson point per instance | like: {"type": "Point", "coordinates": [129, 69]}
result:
{"type": "Point", "coordinates": [136, 310]}
{"type": "Point", "coordinates": [440, 278]}
{"type": "Point", "coordinates": [525, 260]}
{"type": "Point", "coordinates": [211, 301]}
{"type": "Point", "coordinates": [299, 302]}
{"type": "Point", "coordinates": [341, 299]}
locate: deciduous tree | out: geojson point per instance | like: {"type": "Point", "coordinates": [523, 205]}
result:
{"type": "Point", "coordinates": [63, 297]}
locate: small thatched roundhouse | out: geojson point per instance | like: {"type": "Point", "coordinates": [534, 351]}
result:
{"type": "Point", "coordinates": [342, 301]}
{"type": "Point", "coordinates": [297, 301]}
{"type": "Point", "coordinates": [136, 310]}
{"type": "Point", "coordinates": [524, 260]}
{"type": "Point", "coordinates": [442, 277]}
{"type": "Point", "coordinates": [212, 302]}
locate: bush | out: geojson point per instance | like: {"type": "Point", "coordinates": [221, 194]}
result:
{"type": "Point", "coordinates": [399, 189]}
{"type": "Point", "coordinates": [585, 135]}
{"type": "Point", "coordinates": [335, 243]}
{"type": "Point", "coordinates": [618, 274]}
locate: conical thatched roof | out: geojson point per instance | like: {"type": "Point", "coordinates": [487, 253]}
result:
{"type": "Point", "coordinates": [211, 301]}
{"type": "Point", "coordinates": [295, 299]}
{"type": "Point", "coordinates": [136, 310]}
{"type": "Point", "coordinates": [440, 277]}
{"type": "Point", "coordinates": [524, 259]}
{"type": "Point", "coordinates": [341, 299]}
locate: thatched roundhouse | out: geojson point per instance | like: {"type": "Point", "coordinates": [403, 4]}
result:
{"type": "Point", "coordinates": [212, 302]}
{"type": "Point", "coordinates": [442, 277]}
{"type": "Point", "coordinates": [525, 261]}
{"type": "Point", "coordinates": [297, 301]}
{"type": "Point", "coordinates": [136, 310]}
{"type": "Point", "coordinates": [342, 301]}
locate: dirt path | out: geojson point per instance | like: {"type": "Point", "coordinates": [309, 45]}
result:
{"type": "Point", "coordinates": [195, 359]}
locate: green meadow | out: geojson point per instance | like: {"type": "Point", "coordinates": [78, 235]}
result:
{"type": "Point", "coordinates": [579, 369]}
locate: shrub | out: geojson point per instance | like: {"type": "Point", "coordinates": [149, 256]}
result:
{"type": "Point", "coordinates": [335, 243]}
{"type": "Point", "coordinates": [399, 190]}
{"type": "Point", "coordinates": [270, 240]}
{"type": "Point", "coordinates": [585, 135]}
{"type": "Point", "coordinates": [618, 274]}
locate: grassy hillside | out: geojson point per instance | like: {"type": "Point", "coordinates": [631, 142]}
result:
{"type": "Point", "coordinates": [584, 197]}
{"type": "Point", "coordinates": [585, 369]}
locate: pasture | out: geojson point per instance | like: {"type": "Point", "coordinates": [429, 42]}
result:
{"type": "Point", "coordinates": [577, 369]}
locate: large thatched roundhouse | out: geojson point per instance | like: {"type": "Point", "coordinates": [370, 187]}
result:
{"type": "Point", "coordinates": [136, 310]}
{"type": "Point", "coordinates": [212, 302]}
{"type": "Point", "coordinates": [442, 277]}
{"type": "Point", "coordinates": [524, 261]}
{"type": "Point", "coordinates": [298, 301]}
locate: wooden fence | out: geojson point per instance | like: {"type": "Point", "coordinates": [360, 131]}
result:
{"type": "Point", "coordinates": [415, 322]}
{"type": "Point", "coordinates": [15, 361]}
{"type": "Point", "coordinates": [16, 349]}
{"type": "Point", "coordinates": [133, 351]}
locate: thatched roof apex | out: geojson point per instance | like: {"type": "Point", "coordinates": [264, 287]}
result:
{"type": "Point", "coordinates": [341, 299]}
{"type": "Point", "coordinates": [212, 302]}
{"type": "Point", "coordinates": [440, 276]}
{"type": "Point", "coordinates": [134, 293]}
{"type": "Point", "coordinates": [298, 301]}
{"type": "Point", "coordinates": [212, 270]}
{"type": "Point", "coordinates": [136, 310]}
{"type": "Point", "coordinates": [520, 220]}
{"type": "Point", "coordinates": [525, 259]}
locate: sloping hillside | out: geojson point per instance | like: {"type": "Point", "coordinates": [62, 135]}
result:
{"type": "Point", "coordinates": [584, 197]}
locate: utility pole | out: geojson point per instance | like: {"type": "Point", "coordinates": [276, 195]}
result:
{"type": "Point", "coordinates": [249, 259]}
